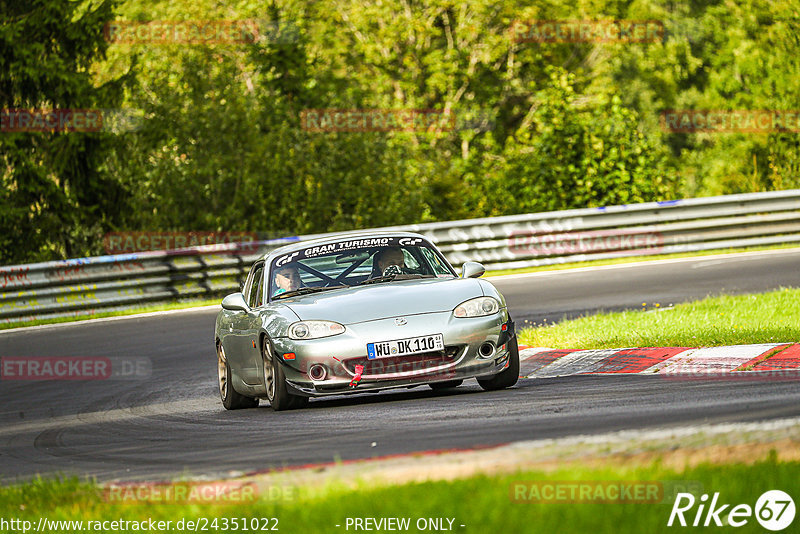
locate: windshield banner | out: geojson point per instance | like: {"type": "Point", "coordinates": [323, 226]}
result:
{"type": "Point", "coordinates": [347, 245]}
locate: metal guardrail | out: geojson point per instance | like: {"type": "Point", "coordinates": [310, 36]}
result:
{"type": "Point", "coordinates": [88, 285]}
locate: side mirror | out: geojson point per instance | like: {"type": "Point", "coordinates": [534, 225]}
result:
{"type": "Point", "coordinates": [235, 302]}
{"type": "Point", "coordinates": [472, 269]}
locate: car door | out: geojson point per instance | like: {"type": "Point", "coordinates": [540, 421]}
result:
{"type": "Point", "coordinates": [247, 327]}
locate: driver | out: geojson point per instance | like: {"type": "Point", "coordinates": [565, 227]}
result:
{"type": "Point", "coordinates": [287, 278]}
{"type": "Point", "coordinates": [390, 256]}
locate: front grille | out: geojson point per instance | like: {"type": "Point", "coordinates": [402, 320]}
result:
{"type": "Point", "coordinates": [403, 364]}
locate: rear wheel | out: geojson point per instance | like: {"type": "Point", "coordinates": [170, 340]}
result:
{"type": "Point", "coordinates": [231, 399]}
{"type": "Point", "coordinates": [436, 386]}
{"type": "Point", "coordinates": [275, 382]}
{"type": "Point", "coordinates": [508, 376]}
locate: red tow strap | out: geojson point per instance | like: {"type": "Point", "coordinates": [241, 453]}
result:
{"type": "Point", "coordinates": [356, 379]}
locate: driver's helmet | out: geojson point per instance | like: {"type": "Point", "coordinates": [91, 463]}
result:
{"type": "Point", "coordinates": [389, 269]}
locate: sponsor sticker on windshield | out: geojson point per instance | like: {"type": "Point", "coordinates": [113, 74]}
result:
{"type": "Point", "coordinates": [345, 246]}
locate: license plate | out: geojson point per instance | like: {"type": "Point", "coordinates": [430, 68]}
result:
{"type": "Point", "coordinates": [401, 347]}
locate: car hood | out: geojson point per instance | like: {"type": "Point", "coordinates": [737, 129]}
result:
{"type": "Point", "coordinates": [387, 299]}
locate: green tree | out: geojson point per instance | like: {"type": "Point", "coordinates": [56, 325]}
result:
{"type": "Point", "coordinates": [574, 154]}
{"type": "Point", "coordinates": [223, 147]}
{"type": "Point", "coordinates": [56, 194]}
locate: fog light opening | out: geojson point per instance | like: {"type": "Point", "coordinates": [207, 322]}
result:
{"type": "Point", "coordinates": [487, 350]}
{"type": "Point", "coordinates": [317, 372]}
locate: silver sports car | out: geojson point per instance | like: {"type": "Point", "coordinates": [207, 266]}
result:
{"type": "Point", "coordinates": [361, 312]}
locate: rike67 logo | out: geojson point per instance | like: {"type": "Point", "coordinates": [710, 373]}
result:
{"type": "Point", "coordinates": [774, 510]}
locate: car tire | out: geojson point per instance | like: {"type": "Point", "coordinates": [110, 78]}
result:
{"type": "Point", "coordinates": [231, 399]}
{"type": "Point", "coordinates": [436, 386]}
{"type": "Point", "coordinates": [508, 376]}
{"type": "Point", "coordinates": [275, 382]}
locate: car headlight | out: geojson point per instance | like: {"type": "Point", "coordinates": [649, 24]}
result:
{"type": "Point", "coordinates": [477, 307]}
{"type": "Point", "coordinates": [314, 329]}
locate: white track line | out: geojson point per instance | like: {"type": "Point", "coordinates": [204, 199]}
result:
{"type": "Point", "coordinates": [666, 433]}
{"type": "Point", "coordinates": [721, 257]}
{"type": "Point", "coordinates": [109, 319]}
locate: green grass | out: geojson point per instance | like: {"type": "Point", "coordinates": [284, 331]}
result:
{"type": "Point", "coordinates": [115, 313]}
{"type": "Point", "coordinates": [481, 503]}
{"type": "Point", "coordinates": [632, 259]}
{"type": "Point", "coordinates": [723, 320]}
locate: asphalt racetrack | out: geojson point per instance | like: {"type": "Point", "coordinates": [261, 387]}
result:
{"type": "Point", "coordinates": [171, 423]}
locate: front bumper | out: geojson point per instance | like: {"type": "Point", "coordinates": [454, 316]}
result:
{"type": "Point", "coordinates": [339, 355]}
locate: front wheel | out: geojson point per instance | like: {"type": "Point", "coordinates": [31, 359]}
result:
{"type": "Point", "coordinates": [275, 382]}
{"type": "Point", "coordinates": [231, 399]}
{"type": "Point", "coordinates": [508, 376]}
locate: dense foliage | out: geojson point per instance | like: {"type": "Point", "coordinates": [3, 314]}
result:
{"type": "Point", "coordinates": [221, 144]}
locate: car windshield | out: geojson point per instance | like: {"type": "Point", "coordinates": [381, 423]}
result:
{"type": "Point", "coordinates": [353, 262]}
